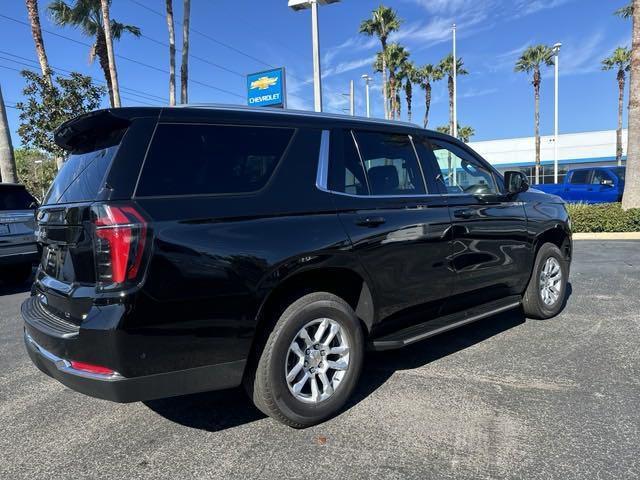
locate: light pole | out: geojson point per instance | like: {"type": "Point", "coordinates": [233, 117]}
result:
{"type": "Point", "coordinates": [367, 80]}
{"type": "Point", "coordinates": [455, 86]}
{"type": "Point", "coordinates": [556, 52]}
{"type": "Point", "coordinates": [352, 99]}
{"type": "Point", "coordinates": [315, 36]}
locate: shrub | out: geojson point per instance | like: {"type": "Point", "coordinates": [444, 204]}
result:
{"type": "Point", "coordinates": [604, 217]}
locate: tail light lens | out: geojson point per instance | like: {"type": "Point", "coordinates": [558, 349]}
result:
{"type": "Point", "coordinates": [120, 239]}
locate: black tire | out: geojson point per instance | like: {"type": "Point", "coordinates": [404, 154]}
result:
{"type": "Point", "coordinates": [532, 302]}
{"type": "Point", "coordinates": [268, 386]}
{"type": "Point", "coordinates": [16, 274]}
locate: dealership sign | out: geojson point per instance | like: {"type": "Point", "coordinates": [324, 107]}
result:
{"type": "Point", "coordinates": [267, 89]}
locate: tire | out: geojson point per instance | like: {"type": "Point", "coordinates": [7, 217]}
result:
{"type": "Point", "coordinates": [533, 301]}
{"type": "Point", "coordinates": [16, 274]}
{"type": "Point", "coordinates": [269, 387]}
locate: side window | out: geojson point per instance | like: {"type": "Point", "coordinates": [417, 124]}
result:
{"type": "Point", "coordinates": [599, 176]}
{"type": "Point", "coordinates": [211, 159]}
{"type": "Point", "coordinates": [580, 177]}
{"type": "Point", "coordinates": [391, 164]}
{"type": "Point", "coordinates": [345, 174]}
{"type": "Point", "coordinates": [460, 172]}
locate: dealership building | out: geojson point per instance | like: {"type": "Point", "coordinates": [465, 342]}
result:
{"type": "Point", "coordinates": [575, 150]}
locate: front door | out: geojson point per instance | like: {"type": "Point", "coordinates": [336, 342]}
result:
{"type": "Point", "coordinates": [491, 248]}
{"type": "Point", "coordinates": [397, 229]}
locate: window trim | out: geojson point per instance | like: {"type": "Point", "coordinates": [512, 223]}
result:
{"type": "Point", "coordinates": [285, 153]}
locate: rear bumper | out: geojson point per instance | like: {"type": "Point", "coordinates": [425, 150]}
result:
{"type": "Point", "coordinates": [117, 388]}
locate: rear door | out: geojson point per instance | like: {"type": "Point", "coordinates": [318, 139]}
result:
{"type": "Point", "coordinates": [398, 225]}
{"type": "Point", "coordinates": [578, 186]}
{"type": "Point", "coordinates": [491, 251]}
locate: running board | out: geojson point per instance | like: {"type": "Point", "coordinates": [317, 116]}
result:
{"type": "Point", "coordinates": [415, 333]}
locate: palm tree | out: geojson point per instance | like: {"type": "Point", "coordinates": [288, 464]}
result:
{"type": "Point", "coordinates": [184, 68]}
{"type": "Point", "coordinates": [113, 73]}
{"type": "Point", "coordinates": [425, 76]}
{"type": "Point", "coordinates": [408, 74]}
{"type": "Point", "coordinates": [620, 60]}
{"type": "Point", "coordinates": [530, 61]}
{"type": "Point", "coordinates": [631, 196]}
{"type": "Point", "coordinates": [7, 160]}
{"type": "Point", "coordinates": [464, 132]}
{"type": "Point", "coordinates": [446, 65]}
{"type": "Point", "coordinates": [382, 23]}
{"type": "Point", "coordinates": [172, 54]}
{"type": "Point", "coordinates": [625, 12]}
{"type": "Point", "coordinates": [36, 31]}
{"type": "Point", "coordinates": [87, 15]}
{"type": "Point", "coordinates": [396, 55]}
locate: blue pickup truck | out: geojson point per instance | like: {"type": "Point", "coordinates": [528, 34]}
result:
{"type": "Point", "coordinates": [589, 185]}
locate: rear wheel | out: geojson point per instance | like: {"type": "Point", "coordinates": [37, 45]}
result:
{"type": "Point", "coordinates": [545, 294]}
{"type": "Point", "coordinates": [310, 363]}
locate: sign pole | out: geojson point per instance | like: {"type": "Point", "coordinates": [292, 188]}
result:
{"type": "Point", "coordinates": [317, 77]}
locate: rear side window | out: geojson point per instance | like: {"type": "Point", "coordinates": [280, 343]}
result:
{"type": "Point", "coordinates": [346, 174]}
{"type": "Point", "coordinates": [580, 176]}
{"type": "Point", "coordinates": [391, 164]}
{"type": "Point", "coordinates": [211, 159]}
{"type": "Point", "coordinates": [15, 199]}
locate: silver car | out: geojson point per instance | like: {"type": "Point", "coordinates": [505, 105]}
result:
{"type": "Point", "coordinates": [18, 247]}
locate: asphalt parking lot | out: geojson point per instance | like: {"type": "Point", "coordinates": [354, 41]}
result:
{"type": "Point", "coordinates": [503, 398]}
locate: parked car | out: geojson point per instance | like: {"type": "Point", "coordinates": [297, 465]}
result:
{"type": "Point", "coordinates": [589, 185]}
{"type": "Point", "coordinates": [18, 247]}
{"type": "Point", "coordinates": [189, 249]}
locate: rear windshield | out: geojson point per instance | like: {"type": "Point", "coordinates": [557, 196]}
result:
{"type": "Point", "coordinates": [211, 159]}
{"type": "Point", "coordinates": [15, 199]}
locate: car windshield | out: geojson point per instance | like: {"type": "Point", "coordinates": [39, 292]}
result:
{"type": "Point", "coordinates": [619, 171]}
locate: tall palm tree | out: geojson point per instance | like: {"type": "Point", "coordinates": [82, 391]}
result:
{"type": "Point", "coordinates": [446, 65]}
{"type": "Point", "coordinates": [113, 73]}
{"type": "Point", "coordinates": [87, 15]}
{"type": "Point", "coordinates": [409, 75]}
{"type": "Point", "coordinates": [36, 32]}
{"type": "Point", "coordinates": [7, 160]}
{"type": "Point", "coordinates": [382, 23]}
{"type": "Point", "coordinates": [626, 11]}
{"type": "Point", "coordinates": [396, 55]}
{"type": "Point", "coordinates": [631, 196]}
{"type": "Point", "coordinates": [172, 54]}
{"type": "Point", "coordinates": [530, 62]}
{"type": "Point", "coordinates": [184, 68]}
{"type": "Point", "coordinates": [620, 59]}
{"type": "Point", "coordinates": [426, 75]}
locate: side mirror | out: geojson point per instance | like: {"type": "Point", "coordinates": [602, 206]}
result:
{"type": "Point", "coordinates": [515, 182]}
{"type": "Point", "coordinates": [606, 182]}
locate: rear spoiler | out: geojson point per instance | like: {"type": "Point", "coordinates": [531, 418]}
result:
{"type": "Point", "coordinates": [91, 130]}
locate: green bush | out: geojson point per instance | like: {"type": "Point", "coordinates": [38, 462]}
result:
{"type": "Point", "coordinates": [604, 217]}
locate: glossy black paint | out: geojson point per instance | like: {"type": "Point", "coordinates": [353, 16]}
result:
{"type": "Point", "coordinates": [219, 264]}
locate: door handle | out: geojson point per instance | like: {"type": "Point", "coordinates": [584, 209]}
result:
{"type": "Point", "coordinates": [370, 221]}
{"type": "Point", "coordinates": [466, 213]}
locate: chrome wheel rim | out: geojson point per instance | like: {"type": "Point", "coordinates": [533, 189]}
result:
{"type": "Point", "coordinates": [317, 361]}
{"type": "Point", "coordinates": [550, 281]}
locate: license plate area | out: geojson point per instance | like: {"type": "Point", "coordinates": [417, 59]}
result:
{"type": "Point", "coordinates": [53, 258]}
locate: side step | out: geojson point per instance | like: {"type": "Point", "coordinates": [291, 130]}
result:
{"type": "Point", "coordinates": [415, 333]}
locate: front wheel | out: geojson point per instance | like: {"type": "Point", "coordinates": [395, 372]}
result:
{"type": "Point", "coordinates": [545, 294]}
{"type": "Point", "coordinates": [310, 363]}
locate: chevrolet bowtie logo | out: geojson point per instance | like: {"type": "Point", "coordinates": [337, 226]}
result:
{"type": "Point", "coordinates": [263, 83]}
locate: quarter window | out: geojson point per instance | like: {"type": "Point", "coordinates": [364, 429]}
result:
{"type": "Point", "coordinates": [460, 172]}
{"type": "Point", "coordinates": [345, 174]}
{"type": "Point", "coordinates": [390, 163]}
{"type": "Point", "coordinates": [211, 159]}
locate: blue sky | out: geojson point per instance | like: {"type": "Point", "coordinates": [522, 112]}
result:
{"type": "Point", "coordinates": [247, 35]}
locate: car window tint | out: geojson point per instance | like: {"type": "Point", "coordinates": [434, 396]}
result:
{"type": "Point", "coordinates": [390, 163]}
{"type": "Point", "coordinates": [15, 198]}
{"type": "Point", "coordinates": [345, 174]}
{"type": "Point", "coordinates": [599, 176]}
{"type": "Point", "coordinates": [620, 173]}
{"type": "Point", "coordinates": [460, 172]}
{"type": "Point", "coordinates": [580, 176]}
{"type": "Point", "coordinates": [211, 159]}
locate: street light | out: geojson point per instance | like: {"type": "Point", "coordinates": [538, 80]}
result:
{"type": "Point", "coordinates": [556, 52]}
{"type": "Point", "coordinates": [455, 87]}
{"type": "Point", "coordinates": [313, 5]}
{"type": "Point", "coordinates": [367, 80]}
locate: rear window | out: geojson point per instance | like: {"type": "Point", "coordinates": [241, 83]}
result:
{"type": "Point", "coordinates": [211, 159]}
{"type": "Point", "coordinates": [15, 198]}
{"type": "Point", "coordinates": [580, 176]}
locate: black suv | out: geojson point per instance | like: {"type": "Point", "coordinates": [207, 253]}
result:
{"type": "Point", "coordinates": [18, 248]}
{"type": "Point", "coordinates": [197, 248]}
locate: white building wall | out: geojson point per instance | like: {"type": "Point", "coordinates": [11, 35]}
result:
{"type": "Point", "coordinates": [573, 148]}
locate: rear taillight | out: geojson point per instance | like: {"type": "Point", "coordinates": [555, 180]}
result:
{"type": "Point", "coordinates": [120, 238]}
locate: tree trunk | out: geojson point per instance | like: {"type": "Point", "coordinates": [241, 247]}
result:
{"type": "Point", "coordinates": [172, 54]}
{"type": "Point", "coordinates": [34, 18]}
{"type": "Point", "coordinates": [392, 94]}
{"type": "Point", "coordinates": [631, 197]}
{"type": "Point", "coordinates": [113, 73]}
{"type": "Point", "coordinates": [384, 77]}
{"type": "Point", "coordinates": [621, 81]}
{"type": "Point", "coordinates": [427, 103]}
{"type": "Point", "coordinates": [450, 105]}
{"type": "Point", "coordinates": [536, 89]}
{"type": "Point", "coordinates": [101, 53]}
{"type": "Point", "coordinates": [7, 160]}
{"type": "Point", "coordinates": [184, 74]}
{"type": "Point", "coordinates": [409, 92]}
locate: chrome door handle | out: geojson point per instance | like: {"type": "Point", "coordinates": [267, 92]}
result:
{"type": "Point", "coordinates": [466, 213]}
{"type": "Point", "coordinates": [370, 221]}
